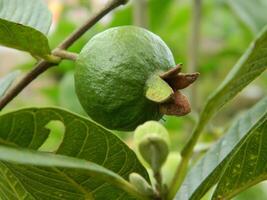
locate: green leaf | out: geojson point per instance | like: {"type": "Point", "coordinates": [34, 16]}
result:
{"type": "Point", "coordinates": [248, 68]}
{"type": "Point", "coordinates": [157, 89]}
{"type": "Point", "coordinates": [7, 81]}
{"type": "Point", "coordinates": [209, 169]}
{"type": "Point", "coordinates": [251, 65]}
{"type": "Point", "coordinates": [35, 158]}
{"type": "Point", "coordinates": [24, 24]}
{"type": "Point", "coordinates": [252, 13]}
{"type": "Point", "coordinates": [247, 167]}
{"type": "Point", "coordinates": [82, 139]}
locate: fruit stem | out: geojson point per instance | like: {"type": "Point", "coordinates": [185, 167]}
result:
{"type": "Point", "coordinates": [52, 58]}
{"type": "Point", "coordinates": [65, 54]}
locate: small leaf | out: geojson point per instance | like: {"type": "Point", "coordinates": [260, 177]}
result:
{"type": "Point", "coordinates": [146, 147]}
{"type": "Point", "coordinates": [150, 128]}
{"type": "Point", "coordinates": [154, 151]}
{"type": "Point", "coordinates": [141, 184]}
{"type": "Point", "coordinates": [252, 13]}
{"type": "Point", "coordinates": [247, 166]}
{"type": "Point", "coordinates": [209, 169]}
{"type": "Point", "coordinates": [7, 81]}
{"type": "Point", "coordinates": [158, 90]}
{"type": "Point", "coordinates": [82, 138]}
{"type": "Point", "coordinates": [24, 24]}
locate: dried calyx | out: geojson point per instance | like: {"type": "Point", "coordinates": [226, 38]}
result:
{"type": "Point", "coordinates": [177, 104]}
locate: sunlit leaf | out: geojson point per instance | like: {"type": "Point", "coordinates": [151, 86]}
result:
{"type": "Point", "coordinates": [24, 24]}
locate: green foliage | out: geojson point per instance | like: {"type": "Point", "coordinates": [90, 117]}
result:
{"type": "Point", "coordinates": [82, 139]}
{"type": "Point", "coordinates": [49, 153]}
{"type": "Point", "coordinates": [152, 141]}
{"type": "Point", "coordinates": [248, 68]}
{"type": "Point", "coordinates": [216, 160]}
{"type": "Point", "coordinates": [247, 167]}
{"type": "Point", "coordinates": [7, 81]}
{"type": "Point", "coordinates": [141, 184]}
{"type": "Point", "coordinates": [25, 25]}
{"type": "Point", "coordinates": [252, 13]}
{"type": "Point", "coordinates": [154, 151]}
{"type": "Point", "coordinates": [52, 169]}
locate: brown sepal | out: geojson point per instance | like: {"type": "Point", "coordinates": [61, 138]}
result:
{"type": "Point", "coordinates": [181, 80]}
{"type": "Point", "coordinates": [178, 106]}
{"type": "Point", "coordinates": [172, 72]}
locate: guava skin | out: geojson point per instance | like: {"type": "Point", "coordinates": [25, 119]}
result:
{"type": "Point", "coordinates": [111, 74]}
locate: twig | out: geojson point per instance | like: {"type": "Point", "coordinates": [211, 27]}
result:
{"type": "Point", "coordinates": [44, 65]}
{"type": "Point", "coordinates": [193, 62]}
{"type": "Point", "coordinates": [79, 32]}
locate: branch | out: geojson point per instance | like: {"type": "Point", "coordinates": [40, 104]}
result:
{"type": "Point", "coordinates": [44, 65]}
{"type": "Point", "coordinates": [79, 32]}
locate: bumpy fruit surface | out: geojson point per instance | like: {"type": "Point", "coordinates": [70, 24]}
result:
{"type": "Point", "coordinates": [111, 74]}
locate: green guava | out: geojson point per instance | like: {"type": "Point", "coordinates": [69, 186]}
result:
{"type": "Point", "coordinates": [117, 77]}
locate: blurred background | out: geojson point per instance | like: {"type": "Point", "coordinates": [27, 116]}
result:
{"type": "Point", "coordinates": [207, 36]}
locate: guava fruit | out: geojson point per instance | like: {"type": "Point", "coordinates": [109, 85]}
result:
{"type": "Point", "coordinates": [124, 75]}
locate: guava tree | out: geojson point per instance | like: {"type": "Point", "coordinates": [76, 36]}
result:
{"type": "Point", "coordinates": [126, 79]}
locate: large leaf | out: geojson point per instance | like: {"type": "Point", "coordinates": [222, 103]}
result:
{"type": "Point", "coordinates": [210, 168]}
{"type": "Point", "coordinates": [252, 13]}
{"type": "Point", "coordinates": [247, 167]}
{"type": "Point", "coordinates": [6, 82]}
{"type": "Point", "coordinates": [24, 24]}
{"type": "Point", "coordinates": [82, 139]}
{"type": "Point", "coordinates": [35, 158]}
{"type": "Point", "coordinates": [251, 65]}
